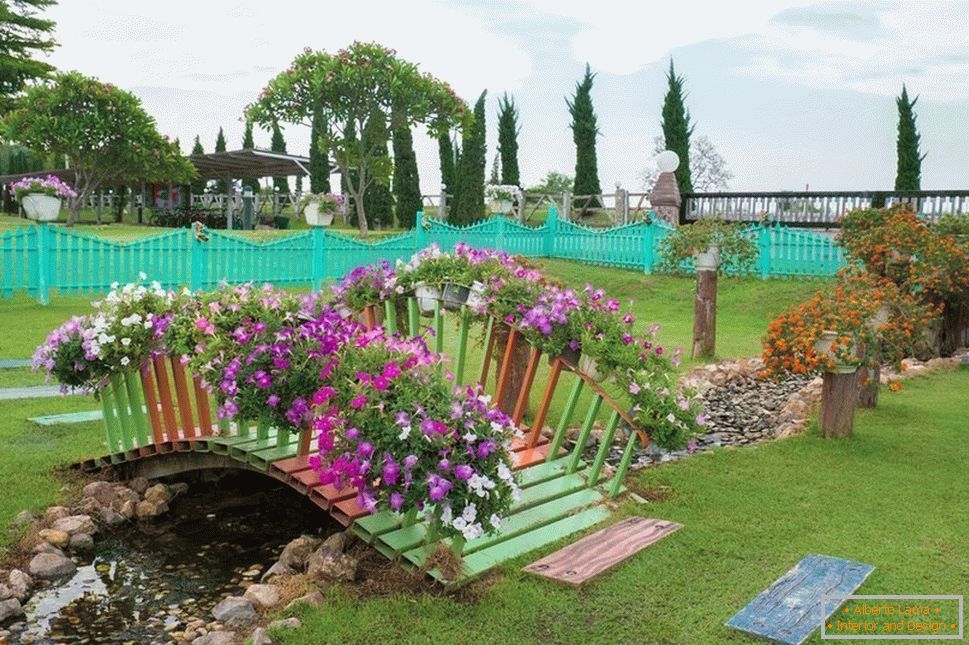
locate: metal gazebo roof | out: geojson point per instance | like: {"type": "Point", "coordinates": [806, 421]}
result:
{"type": "Point", "coordinates": [249, 164]}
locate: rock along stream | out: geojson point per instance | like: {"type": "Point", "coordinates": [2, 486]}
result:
{"type": "Point", "coordinates": [143, 582]}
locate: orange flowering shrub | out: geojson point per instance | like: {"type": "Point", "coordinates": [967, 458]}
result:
{"type": "Point", "coordinates": [874, 321]}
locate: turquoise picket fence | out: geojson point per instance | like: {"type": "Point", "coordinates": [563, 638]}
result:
{"type": "Point", "coordinates": [43, 258]}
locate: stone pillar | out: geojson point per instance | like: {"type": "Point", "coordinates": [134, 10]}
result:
{"type": "Point", "coordinates": [665, 198]}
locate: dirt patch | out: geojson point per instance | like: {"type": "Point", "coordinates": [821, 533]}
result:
{"type": "Point", "coordinates": [651, 492]}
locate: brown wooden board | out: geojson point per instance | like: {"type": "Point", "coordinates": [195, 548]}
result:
{"type": "Point", "coordinates": [601, 551]}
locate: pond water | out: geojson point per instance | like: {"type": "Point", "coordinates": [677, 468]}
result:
{"type": "Point", "coordinates": [143, 582]}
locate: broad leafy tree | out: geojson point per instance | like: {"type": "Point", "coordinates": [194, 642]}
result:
{"type": "Point", "coordinates": [407, 182]}
{"type": "Point", "coordinates": [23, 35]}
{"type": "Point", "coordinates": [278, 144]}
{"type": "Point", "coordinates": [585, 130]}
{"type": "Point", "coordinates": [677, 128]}
{"type": "Point", "coordinates": [555, 183]}
{"type": "Point", "coordinates": [469, 202]}
{"type": "Point", "coordinates": [508, 129]}
{"type": "Point", "coordinates": [909, 173]}
{"type": "Point", "coordinates": [709, 171]}
{"type": "Point", "coordinates": [363, 81]}
{"type": "Point", "coordinates": [103, 130]}
{"type": "Point", "coordinates": [319, 157]}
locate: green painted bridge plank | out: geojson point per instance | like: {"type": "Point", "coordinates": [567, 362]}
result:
{"type": "Point", "coordinates": [262, 458]}
{"type": "Point", "coordinates": [242, 450]}
{"type": "Point", "coordinates": [520, 523]}
{"type": "Point", "coordinates": [544, 471]}
{"type": "Point", "coordinates": [373, 525]}
{"type": "Point", "coordinates": [480, 561]}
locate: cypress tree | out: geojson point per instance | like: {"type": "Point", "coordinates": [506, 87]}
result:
{"type": "Point", "coordinates": [445, 152]}
{"type": "Point", "coordinates": [198, 187]}
{"type": "Point", "coordinates": [909, 173]}
{"type": "Point", "coordinates": [677, 128]}
{"type": "Point", "coordinates": [220, 186]}
{"type": "Point", "coordinates": [319, 158]}
{"type": "Point", "coordinates": [584, 132]}
{"type": "Point", "coordinates": [378, 201]}
{"type": "Point", "coordinates": [469, 203]}
{"type": "Point", "coordinates": [278, 144]}
{"type": "Point", "coordinates": [248, 143]}
{"type": "Point", "coordinates": [508, 130]}
{"type": "Point", "coordinates": [407, 183]}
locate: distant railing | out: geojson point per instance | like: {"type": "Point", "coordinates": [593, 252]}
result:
{"type": "Point", "coordinates": [815, 209]}
{"type": "Point", "coordinates": [42, 258]}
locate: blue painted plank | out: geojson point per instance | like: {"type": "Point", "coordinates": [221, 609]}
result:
{"type": "Point", "coordinates": [14, 362]}
{"type": "Point", "coordinates": [790, 609]}
{"type": "Point", "coordinates": [70, 417]}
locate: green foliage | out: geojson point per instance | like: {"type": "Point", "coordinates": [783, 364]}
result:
{"type": "Point", "coordinates": [198, 186]}
{"type": "Point", "coordinates": [445, 151]}
{"type": "Point", "coordinates": [23, 35]}
{"type": "Point", "coordinates": [319, 157]}
{"type": "Point", "coordinates": [248, 143]}
{"type": "Point", "coordinates": [102, 129]}
{"type": "Point", "coordinates": [378, 201]}
{"type": "Point", "coordinates": [407, 183]}
{"type": "Point", "coordinates": [677, 128]}
{"type": "Point", "coordinates": [220, 185]}
{"type": "Point", "coordinates": [555, 183]}
{"type": "Point", "coordinates": [349, 88]}
{"type": "Point", "coordinates": [469, 202]}
{"type": "Point", "coordinates": [908, 175]}
{"type": "Point", "coordinates": [737, 250]}
{"type": "Point", "coordinates": [278, 144]}
{"type": "Point", "coordinates": [585, 130]}
{"type": "Point", "coordinates": [953, 224]}
{"type": "Point", "coordinates": [508, 130]}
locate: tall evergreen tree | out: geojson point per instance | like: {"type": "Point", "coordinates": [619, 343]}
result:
{"type": "Point", "coordinates": [677, 128]}
{"type": "Point", "coordinates": [469, 202]}
{"type": "Point", "coordinates": [220, 185]}
{"type": "Point", "coordinates": [585, 130]}
{"type": "Point", "coordinates": [407, 183]}
{"type": "Point", "coordinates": [508, 130]}
{"type": "Point", "coordinates": [278, 144]}
{"type": "Point", "coordinates": [378, 201]}
{"type": "Point", "coordinates": [319, 158]}
{"type": "Point", "coordinates": [445, 152]}
{"type": "Point", "coordinates": [248, 143]}
{"type": "Point", "coordinates": [23, 35]}
{"type": "Point", "coordinates": [197, 187]}
{"type": "Point", "coordinates": [909, 173]}
{"type": "Point", "coordinates": [495, 177]}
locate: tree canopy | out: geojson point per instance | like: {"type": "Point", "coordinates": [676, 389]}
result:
{"type": "Point", "coordinates": [23, 35]}
{"type": "Point", "coordinates": [103, 130]}
{"type": "Point", "coordinates": [350, 87]}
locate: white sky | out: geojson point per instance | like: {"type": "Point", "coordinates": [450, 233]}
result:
{"type": "Point", "coordinates": [791, 93]}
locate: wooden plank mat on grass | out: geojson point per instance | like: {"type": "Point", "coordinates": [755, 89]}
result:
{"type": "Point", "coordinates": [601, 551]}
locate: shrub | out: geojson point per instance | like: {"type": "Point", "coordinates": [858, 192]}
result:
{"type": "Point", "coordinates": [737, 251]}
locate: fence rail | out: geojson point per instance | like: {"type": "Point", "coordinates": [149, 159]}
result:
{"type": "Point", "coordinates": [42, 258]}
{"type": "Point", "coordinates": [816, 209]}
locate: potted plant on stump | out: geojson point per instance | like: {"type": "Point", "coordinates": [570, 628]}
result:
{"type": "Point", "coordinates": [41, 197]}
{"type": "Point", "coordinates": [319, 209]}
{"type": "Point", "coordinates": [712, 245]}
{"type": "Point", "coordinates": [501, 198]}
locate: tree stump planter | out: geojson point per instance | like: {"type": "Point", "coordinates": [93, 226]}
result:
{"type": "Point", "coordinates": [839, 396]}
{"type": "Point", "coordinates": [869, 380]}
{"type": "Point", "coordinates": [705, 313]}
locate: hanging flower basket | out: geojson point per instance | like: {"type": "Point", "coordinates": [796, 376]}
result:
{"type": "Point", "coordinates": [476, 297]}
{"type": "Point", "coordinates": [427, 297]}
{"type": "Point", "coordinates": [455, 296]}
{"type": "Point", "coordinates": [589, 367]}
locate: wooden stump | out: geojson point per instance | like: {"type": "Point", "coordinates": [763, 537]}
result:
{"type": "Point", "coordinates": [705, 314]}
{"type": "Point", "coordinates": [516, 373]}
{"type": "Point", "coordinates": [868, 382]}
{"type": "Point", "coordinates": [839, 396]}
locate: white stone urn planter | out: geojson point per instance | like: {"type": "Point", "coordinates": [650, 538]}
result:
{"type": "Point", "coordinates": [427, 297]}
{"type": "Point", "coordinates": [500, 206]}
{"type": "Point", "coordinates": [314, 217]}
{"type": "Point", "coordinates": [476, 298]}
{"type": "Point", "coordinates": [822, 347]}
{"type": "Point", "coordinates": [589, 367]}
{"type": "Point", "coordinates": [41, 207]}
{"type": "Point", "coordinates": [708, 260]}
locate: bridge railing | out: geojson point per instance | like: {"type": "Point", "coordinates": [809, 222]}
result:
{"type": "Point", "coordinates": [815, 209]}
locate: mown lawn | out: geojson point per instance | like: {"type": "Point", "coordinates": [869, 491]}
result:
{"type": "Point", "coordinates": [894, 496]}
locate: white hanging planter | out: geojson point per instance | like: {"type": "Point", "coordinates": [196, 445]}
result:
{"type": "Point", "coordinates": [41, 207]}
{"type": "Point", "coordinates": [708, 261]}
{"type": "Point", "coordinates": [589, 367]}
{"type": "Point", "coordinates": [476, 299]}
{"type": "Point", "coordinates": [314, 217]}
{"type": "Point", "coordinates": [427, 297]}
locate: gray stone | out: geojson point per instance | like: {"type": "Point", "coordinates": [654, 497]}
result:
{"type": "Point", "coordinates": [111, 517]}
{"type": "Point", "coordinates": [262, 595]}
{"type": "Point", "coordinates": [260, 637]}
{"type": "Point", "coordinates": [51, 565]}
{"type": "Point", "coordinates": [124, 494]}
{"type": "Point", "coordinates": [76, 524]}
{"type": "Point", "coordinates": [59, 539]}
{"type": "Point", "coordinates": [103, 492]}
{"type": "Point", "coordinates": [47, 547]}
{"type": "Point", "coordinates": [147, 509]}
{"type": "Point", "coordinates": [338, 541]}
{"type": "Point", "coordinates": [278, 569]}
{"type": "Point", "coordinates": [328, 564]}
{"type": "Point", "coordinates": [286, 623]}
{"type": "Point", "coordinates": [5, 592]}
{"type": "Point", "coordinates": [82, 542]}
{"type": "Point", "coordinates": [216, 638]}
{"type": "Point", "coordinates": [139, 485]}
{"type": "Point", "coordinates": [178, 488]}
{"type": "Point", "coordinates": [23, 518]}
{"type": "Point", "coordinates": [235, 612]}
{"type": "Point", "coordinates": [128, 510]}
{"type": "Point", "coordinates": [158, 493]}
{"type": "Point", "coordinates": [55, 513]}
{"type": "Point", "coordinates": [10, 608]}
{"type": "Point", "coordinates": [298, 551]}
{"type": "Point", "coordinates": [313, 599]}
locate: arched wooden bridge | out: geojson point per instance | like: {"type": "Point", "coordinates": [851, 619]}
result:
{"type": "Point", "coordinates": [160, 420]}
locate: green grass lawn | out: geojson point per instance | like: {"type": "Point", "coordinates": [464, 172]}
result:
{"type": "Point", "coordinates": [893, 496]}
